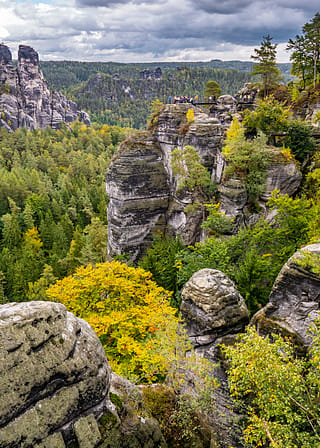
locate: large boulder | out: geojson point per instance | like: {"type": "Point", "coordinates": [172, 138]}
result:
{"type": "Point", "coordinates": [294, 301]}
{"type": "Point", "coordinates": [214, 313]}
{"type": "Point", "coordinates": [212, 308]}
{"type": "Point", "coordinates": [54, 377]}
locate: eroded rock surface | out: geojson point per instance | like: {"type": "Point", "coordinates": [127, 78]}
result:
{"type": "Point", "coordinates": [53, 371]}
{"type": "Point", "coordinates": [211, 308]}
{"type": "Point", "coordinates": [214, 313]}
{"type": "Point", "coordinates": [294, 301]}
{"type": "Point", "coordinates": [282, 175]}
{"type": "Point", "coordinates": [143, 193]}
{"type": "Point", "coordinates": [25, 98]}
{"type": "Point", "coordinates": [132, 425]}
{"type": "Point", "coordinates": [142, 190]}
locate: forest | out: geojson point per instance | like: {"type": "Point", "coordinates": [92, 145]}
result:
{"type": "Point", "coordinates": [53, 235]}
{"type": "Point", "coordinates": [118, 94]}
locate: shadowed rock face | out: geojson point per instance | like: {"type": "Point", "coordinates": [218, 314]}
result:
{"type": "Point", "coordinates": [294, 301]}
{"type": "Point", "coordinates": [5, 54]}
{"type": "Point", "coordinates": [281, 175]}
{"type": "Point", "coordinates": [143, 196]}
{"type": "Point", "coordinates": [25, 98]}
{"type": "Point", "coordinates": [53, 372]}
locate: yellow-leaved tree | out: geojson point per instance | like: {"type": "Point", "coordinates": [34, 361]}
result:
{"type": "Point", "coordinates": [129, 312]}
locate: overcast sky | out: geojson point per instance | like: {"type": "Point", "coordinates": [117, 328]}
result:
{"type": "Point", "coordinates": [151, 30]}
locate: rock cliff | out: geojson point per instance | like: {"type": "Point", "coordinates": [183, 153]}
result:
{"type": "Point", "coordinates": [294, 301]}
{"type": "Point", "coordinates": [142, 190]}
{"type": "Point", "coordinates": [143, 194]}
{"type": "Point", "coordinates": [25, 98]}
{"type": "Point", "coordinates": [214, 313]}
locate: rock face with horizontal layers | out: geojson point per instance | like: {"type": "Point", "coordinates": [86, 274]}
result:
{"type": "Point", "coordinates": [214, 313]}
{"type": "Point", "coordinates": [25, 98]}
{"type": "Point", "coordinates": [54, 379]}
{"type": "Point", "coordinates": [212, 308]}
{"type": "Point", "coordinates": [294, 301]}
{"type": "Point", "coordinates": [281, 175]}
{"type": "Point", "coordinates": [142, 190]}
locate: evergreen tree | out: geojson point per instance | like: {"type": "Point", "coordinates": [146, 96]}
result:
{"type": "Point", "coordinates": [312, 37]}
{"type": "Point", "coordinates": [266, 65]}
{"type": "Point", "coordinates": [212, 90]}
{"type": "Point", "coordinates": [306, 52]}
{"type": "Point", "coordinates": [300, 60]}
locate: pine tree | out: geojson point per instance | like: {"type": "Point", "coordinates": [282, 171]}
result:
{"type": "Point", "coordinates": [266, 66]}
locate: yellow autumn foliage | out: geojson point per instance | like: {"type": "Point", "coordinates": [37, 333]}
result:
{"type": "Point", "coordinates": [129, 312]}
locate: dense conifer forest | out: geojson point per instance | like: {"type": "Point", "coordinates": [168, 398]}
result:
{"type": "Point", "coordinates": [52, 204]}
{"type": "Point", "coordinates": [121, 94]}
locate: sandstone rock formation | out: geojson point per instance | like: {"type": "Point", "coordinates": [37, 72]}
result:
{"type": "Point", "coordinates": [143, 194]}
{"type": "Point", "coordinates": [133, 426]}
{"type": "Point", "coordinates": [294, 301]}
{"type": "Point", "coordinates": [142, 190]}
{"type": "Point", "coordinates": [212, 308]}
{"type": "Point", "coordinates": [25, 98]}
{"type": "Point", "coordinates": [54, 379]}
{"type": "Point", "coordinates": [282, 175]}
{"type": "Point", "coordinates": [214, 313]}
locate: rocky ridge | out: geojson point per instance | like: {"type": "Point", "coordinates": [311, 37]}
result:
{"type": "Point", "coordinates": [143, 193]}
{"type": "Point", "coordinates": [25, 98]}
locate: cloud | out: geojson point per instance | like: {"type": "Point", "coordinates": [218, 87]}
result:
{"type": "Point", "coordinates": [137, 30]}
{"type": "Point", "coordinates": [221, 7]}
{"type": "Point", "coordinates": [110, 3]}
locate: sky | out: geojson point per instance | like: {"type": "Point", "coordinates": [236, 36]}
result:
{"type": "Point", "coordinates": [151, 30]}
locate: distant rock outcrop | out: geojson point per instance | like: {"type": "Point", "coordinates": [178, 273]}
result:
{"type": "Point", "coordinates": [54, 379]}
{"type": "Point", "coordinates": [294, 301]}
{"type": "Point", "coordinates": [25, 98]}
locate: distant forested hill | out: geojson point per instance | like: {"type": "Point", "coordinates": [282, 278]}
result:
{"type": "Point", "coordinates": [122, 94]}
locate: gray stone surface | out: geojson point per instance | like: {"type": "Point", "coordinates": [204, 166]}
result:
{"type": "Point", "coordinates": [53, 370]}
{"type": "Point", "coordinates": [142, 190]}
{"type": "Point", "coordinates": [214, 312]}
{"type": "Point", "coordinates": [54, 441]}
{"type": "Point", "coordinates": [135, 427]}
{"type": "Point", "coordinates": [294, 301]}
{"type": "Point", "coordinates": [211, 308]}
{"type": "Point", "coordinates": [281, 175]}
{"type": "Point", "coordinates": [87, 432]}
{"type": "Point", "coordinates": [30, 103]}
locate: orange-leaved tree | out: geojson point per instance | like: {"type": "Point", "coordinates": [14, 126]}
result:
{"type": "Point", "coordinates": [129, 312]}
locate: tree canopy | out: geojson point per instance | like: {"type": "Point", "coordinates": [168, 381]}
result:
{"type": "Point", "coordinates": [266, 66]}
